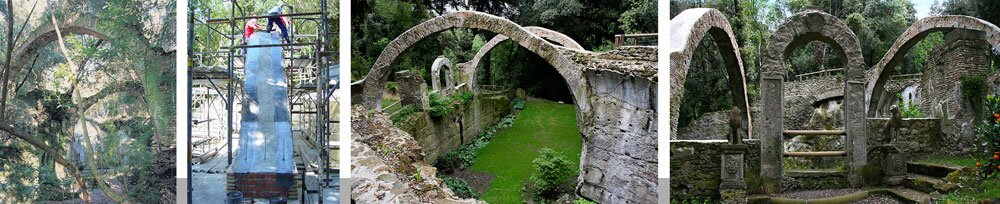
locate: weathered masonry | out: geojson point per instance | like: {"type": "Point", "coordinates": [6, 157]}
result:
{"type": "Point", "coordinates": [614, 93]}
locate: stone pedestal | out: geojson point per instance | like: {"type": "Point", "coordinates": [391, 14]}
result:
{"type": "Point", "coordinates": [733, 186]}
{"type": "Point", "coordinates": [412, 90]}
{"type": "Point", "coordinates": [893, 164]}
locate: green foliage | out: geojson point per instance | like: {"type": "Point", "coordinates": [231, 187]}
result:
{"type": "Point", "coordinates": [404, 113]}
{"type": "Point", "coordinates": [908, 109]}
{"type": "Point", "coordinates": [440, 105]}
{"type": "Point", "coordinates": [460, 187]}
{"type": "Point", "coordinates": [988, 140]}
{"type": "Point", "coordinates": [553, 172]}
{"type": "Point", "coordinates": [465, 156]}
{"type": "Point", "coordinates": [583, 201]}
{"type": "Point", "coordinates": [640, 17]}
{"type": "Point", "coordinates": [464, 97]}
{"type": "Point", "coordinates": [510, 152]}
{"type": "Point", "coordinates": [757, 184]}
{"type": "Point", "coordinates": [518, 104]}
{"type": "Point", "coordinates": [871, 174]}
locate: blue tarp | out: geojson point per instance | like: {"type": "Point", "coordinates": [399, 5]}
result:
{"type": "Point", "coordinates": [265, 144]}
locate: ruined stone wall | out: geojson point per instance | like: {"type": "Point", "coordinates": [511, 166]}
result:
{"type": "Point", "coordinates": [917, 136]}
{"type": "Point", "coordinates": [438, 136]}
{"type": "Point", "coordinates": [617, 119]}
{"type": "Point", "coordinates": [695, 166]}
{"type": "Point", "coordinates": [382, 176]}
{"type": "Point", "coordinates": [959, 57]}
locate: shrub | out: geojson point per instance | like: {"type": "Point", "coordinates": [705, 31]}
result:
{"type": "Point", "coordinates": [988, 139]}
{"type": "Point", "coordinates": [518, 104]}
{"type": "Point", "coordinates": [460, 187]}
{"type": "Point", "coordinates": [403, 113]}
{"type": "Point", "coordinates": [464, 97]}
{"type": "Point", "coordinates": [554, 171]}
{"type": "Point", "coordinates": [759, 185]}
{"type": "Point", "coordinates": [440, 106]}
{"type": "Point", "coordinates": [909, 110]}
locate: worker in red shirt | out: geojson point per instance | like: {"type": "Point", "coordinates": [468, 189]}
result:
{"type": "Point", "coordinates": [249, 28]}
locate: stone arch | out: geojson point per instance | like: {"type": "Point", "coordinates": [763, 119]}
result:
{"type": "Point", "coordinates": [45, 33]}
{"type": "Point", "coordinates": [469, 68]}
{"type": "Point", "coordinates": [379, 73]}
{"type": "Point", "coordinates": [436, 74]}
{"type": "Point", "coordinates": [916, 32]}
{"type": "Point", "coordinates": [689, 27]}
{"type": "Point", "coordinates": [801, 28]}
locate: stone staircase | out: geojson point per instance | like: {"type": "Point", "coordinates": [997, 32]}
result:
{"type": "Point", "coordinates": [925, 182]}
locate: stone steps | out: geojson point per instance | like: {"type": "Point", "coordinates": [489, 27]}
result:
{"type": "Point", "coordinates": [910, 196]}
{"type": "Point", "coordinates": [933, 170]}
{"type": "Point", "coordinates": [927, 184]}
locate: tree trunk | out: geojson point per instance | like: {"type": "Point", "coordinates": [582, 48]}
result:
{"type": "Point", "coordinates": [84, 193]}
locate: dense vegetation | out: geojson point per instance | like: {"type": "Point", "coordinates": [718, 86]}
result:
{"type": "Point", "coordinates": [208, 39]}
{"type": "Point", "coordinates": [877, 24]}
{"type": "Point", "coordinates": [591, 23]}
{"type": "Point", "coordinates": [89, 114]}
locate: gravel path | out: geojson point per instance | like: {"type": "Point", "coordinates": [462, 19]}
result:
{"type": "Point", "coordinates": [811, 194]}
{"type": "Point", "coordinates": [881, 199]}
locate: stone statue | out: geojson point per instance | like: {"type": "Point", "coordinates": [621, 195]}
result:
{"type": "Point", "coordinates": [735, 123]}
{"type": "Point", "coordinates": [892, 126]}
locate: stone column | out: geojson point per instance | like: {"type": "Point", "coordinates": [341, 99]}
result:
{"type": "Point", "coordinates": [412, 90]}
{"type": "Point", "coordinates": [733, 186]}
{"type": "Point", "coordinates": [772, 127]}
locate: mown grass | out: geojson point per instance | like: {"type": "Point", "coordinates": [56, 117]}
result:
{"type": "Point", "coordinates": [963, 161]}
{"type": "Point", "coordinates": [509, 155]}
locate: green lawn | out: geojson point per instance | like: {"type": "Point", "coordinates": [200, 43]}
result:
{"type": "Point", "coordinates": [508, 156]}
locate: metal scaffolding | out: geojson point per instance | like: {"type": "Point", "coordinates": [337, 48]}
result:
{"type": "Point", "coordinates": [311, 83]}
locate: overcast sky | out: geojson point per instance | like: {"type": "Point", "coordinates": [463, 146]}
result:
{"type": "Point", "coordinates": [923, 7]}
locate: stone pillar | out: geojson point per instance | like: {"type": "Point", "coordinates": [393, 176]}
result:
{"type": "Point", "coordinates": [733, 186]}
{"type": "Point", "coordinates": [856, 126]}
{"type": "Point", "coordinates": [412, 90]}
{"type": "Point", "coordinates": [893, 164]}
{"type": "Point", "coordinates": [772, 127]}
{"type": "Point", "coordinates": [263, 167]}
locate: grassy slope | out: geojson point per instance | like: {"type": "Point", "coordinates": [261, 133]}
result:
{"type": "Point", "coordinates": [509, 155]}
{"type": "Point", "coordinates": [973, 194]}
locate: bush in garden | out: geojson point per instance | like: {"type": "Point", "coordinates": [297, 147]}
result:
{"type": "Point", "coordinates": [440, 105]}
{"type": "Point", "coordinates": [988, 139]}
{"type": "Point", "coordinates": [460, 187]}
{"type": "Point", "coordinates": [554, 171]}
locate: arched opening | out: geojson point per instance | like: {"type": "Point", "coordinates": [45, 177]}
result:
{"type": "Point", "coordinates": [575, 74]}
{"type": "Point", "coordinates": [802, 28]}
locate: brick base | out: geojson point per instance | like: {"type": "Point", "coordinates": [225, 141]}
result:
{"type": "Point", "coordinates": [260, 185]}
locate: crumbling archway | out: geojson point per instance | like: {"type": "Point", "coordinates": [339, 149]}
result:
{"type": "Point", "coordinates": [436, 74]}
{"type": "Point", "coordinates": [799, 29]}
{"type": "Point", "coordinates": [689, 27]}
{"type": "Point", "coordinates": [469, 68]}
{"type": "Point", "coordinates": [917, 31]}
{"type": "Point", "coordinates": [614, 95]}
{"type": "Point", "coordinates": [377, 76]}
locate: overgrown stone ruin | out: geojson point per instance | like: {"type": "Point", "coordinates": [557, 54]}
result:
{"type": "Point", "coordinates": [614, 94]}
{"type": "Point", "coordinates": [854, 105]}
{"type": "Point", "coordinates": [388, 165]}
